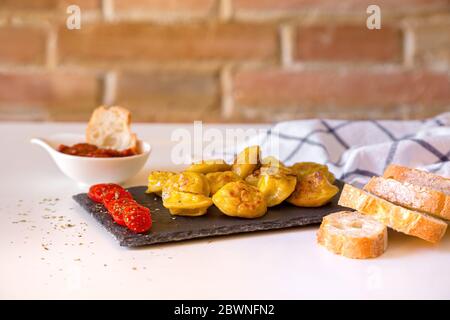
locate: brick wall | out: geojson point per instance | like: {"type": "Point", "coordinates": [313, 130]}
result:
{"type": "Point", "coordinates": [224, 60]}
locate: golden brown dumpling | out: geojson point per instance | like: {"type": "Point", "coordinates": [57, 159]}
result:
{"type": "Point", "coordinates": [156, 181]}
{"type": "Point", "coordinates": [185, 203]}
{"type": "Point", "coordinates": [239, 199]}
{"type": "Point", "coordinates": [246, 161]}
{"type": "Point", "coordinates": [187, 194]}
{"type": "Point", "coordinates": [188, 212]}
{"type": "Point", "coordinates": [276, 188]}
{"type": "Point", "coordinates": [208, 166]}
{"type": "Point", "coordinates": [218, 179]}
{"type": "Point", "coordinates": [274, 165]}
{"type": "Point", "coordinates": [192, 182]}
{"type": "Point", "coordinates": [302, 169]}
{"type": "Point", "coordinates": [271, 161]}
{"type": "Point", "coordinates": [253, 178]}
{"type": "Point", "coordinates": [313, 190]}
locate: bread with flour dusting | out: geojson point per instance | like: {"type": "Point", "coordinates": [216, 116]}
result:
{"type": "Point", "coordinates": [418, 178]}
{"type": "Point", "coordinates": [404, 220]}
{"type": "Point", "coordinates": [411, 196]}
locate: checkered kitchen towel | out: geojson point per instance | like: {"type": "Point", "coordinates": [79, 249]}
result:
{"type": "Point", "coordinates": [357, 150]}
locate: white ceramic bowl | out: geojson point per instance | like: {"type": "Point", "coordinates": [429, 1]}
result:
{"type": "Point", "coordinates": [89, 171]}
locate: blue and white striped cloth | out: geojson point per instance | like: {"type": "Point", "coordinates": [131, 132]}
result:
{"type": "Point", "coordinates": [357, 150]}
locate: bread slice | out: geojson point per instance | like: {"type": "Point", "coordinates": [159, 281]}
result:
{"type": "Point", "coordinates": [411, 196]}
{"type": "Point", "coordinates": [353, 235]}
{"type": "Point", "coordinates": [418, 177]}
{"type": "Point", "coordinates": [110, 128]}
{"type": "Point", "coordinates": [411, 222]}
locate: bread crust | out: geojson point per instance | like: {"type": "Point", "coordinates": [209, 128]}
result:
{"type": "Point", "coordinates": [418, 177]}
{"type": "Point", "coordinates": [411, 196]}
{"type": "Point", "coordinates": [404, 220]}
{"type": "Point", "coordinates": [337, 234]}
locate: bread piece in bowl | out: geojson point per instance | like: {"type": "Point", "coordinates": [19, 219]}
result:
{"type": "Point", "coordinates": [109, 128]}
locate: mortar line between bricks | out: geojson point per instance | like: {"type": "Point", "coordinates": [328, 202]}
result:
{"type": "Point", "coordinates": [51, 49]}
{"type": "Point", "coordinates": [286, 42]}
{"type": "Point", "coordinates": [202, 67]}
{"type": "Point", "coordinates": [409, 47]}
{"type": "Point", "coordinates": [109, 88]}
{"type": "Point", "coordinates": [108, 10]}
{"type": "Point", "coordinates": [225, 10]}
{"type": "Point", "coordinates": [226, 92]}
{"type": "Point", "coordinates": [42, 69]}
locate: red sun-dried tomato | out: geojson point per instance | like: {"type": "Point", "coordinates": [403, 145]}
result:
{"type": "Point", "coordinates": [122, 207]}
{"type": "Point", "coordinates": [137, 218]}
{"type": "Point", "coordinates": [117, 208]}
{"type": "Point", "coordinates": [97, 192]}
{"type": "Point", "coordinates": [115, 194]}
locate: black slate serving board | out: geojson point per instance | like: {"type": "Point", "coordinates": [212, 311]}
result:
{"type": "Point", "coordinates": [168, 228]}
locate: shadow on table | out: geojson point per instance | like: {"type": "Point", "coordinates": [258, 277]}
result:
{"type": "Point", "coordinates": [400, 245]}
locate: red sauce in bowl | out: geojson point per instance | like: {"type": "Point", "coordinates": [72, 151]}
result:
{"type": "Point", "coordinates": [92, 151]}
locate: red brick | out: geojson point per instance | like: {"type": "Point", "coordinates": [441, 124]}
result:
{"type": "Point", "coordinates": [348, 43]}
{"type": "Point", "coordinates": [83, 4]}
{"type": "Point", "coordinates": [46, 5]}
{"type": "Point", "coordinates": [173, 96]}
{"type": "Point", "coordinates": [28, 4]}
{"type": "Point", "coordinates": [61, 96]}
{"type": "Point", "coordinates": [343, 6]}
{"type": "Point", "coordinates": [432, 44]}
{"type": "Point", "coordinates": [22, 45]}
{"type": "Point", "coordinates": [139, 42]}
{"type": "Point", "coordinates": [195, 7]}
{"type": "Point", "coordinates": [262, 93]}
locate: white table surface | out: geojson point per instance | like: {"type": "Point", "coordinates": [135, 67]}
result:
{"type": "Point", "coordinates": [40, 257]}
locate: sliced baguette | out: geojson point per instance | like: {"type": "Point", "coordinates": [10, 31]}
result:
{"type": "Point", "coordinates": [418, 177]}
{"type": "Point", "coordinates": [398, 218]}
{"type": "Point", "coordinates": [353, 235]}
{"type": "Point", "coordinates": [411, 196]}
{"type": "Point", "coordinates": [110, 128]}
